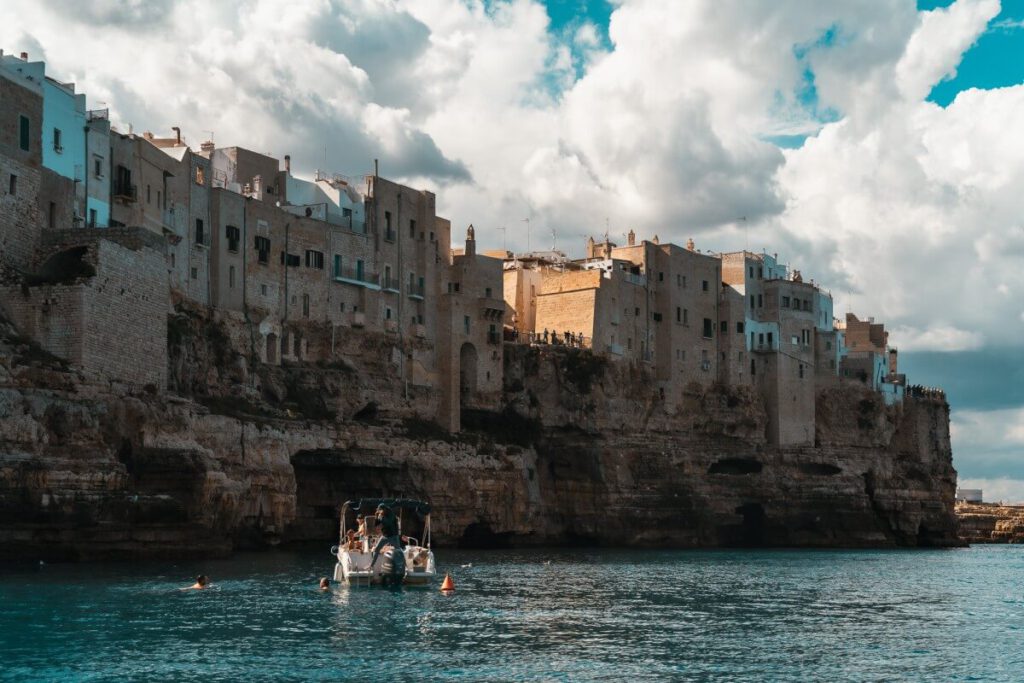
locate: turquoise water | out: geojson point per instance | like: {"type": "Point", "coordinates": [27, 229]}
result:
{"type": "Point", "coordinates": [530, 615]}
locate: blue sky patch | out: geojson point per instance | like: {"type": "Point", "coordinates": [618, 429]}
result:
{"type": "Point", "coordinates": [995, 61]}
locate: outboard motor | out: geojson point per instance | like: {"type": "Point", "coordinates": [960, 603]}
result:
{"type": "Point", "coordinates": [393, 566]}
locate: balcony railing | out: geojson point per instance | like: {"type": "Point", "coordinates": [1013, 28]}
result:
{"type": "Point", "coordinates": [633, 278]}
{"type": "Point", "coordinates": [357, 275]}
{"type": "Point", "coordinates": [493, 337]}
{"type": "Point", "coordinates": [125, 193]}
{"type": "Point", "coordinates": [414, 290]}
{"type": "Point", "coordinates": [391, 284]}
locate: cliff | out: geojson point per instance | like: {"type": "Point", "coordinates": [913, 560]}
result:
{"type": "Point", "coordinates": [240, 454]}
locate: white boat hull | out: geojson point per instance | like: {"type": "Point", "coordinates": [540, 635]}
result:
{"type": "Point", "coordinates": [353, 567]}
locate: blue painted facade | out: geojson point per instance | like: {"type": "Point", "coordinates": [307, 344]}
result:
{"type": "Point", "coordinates": [63, 130]}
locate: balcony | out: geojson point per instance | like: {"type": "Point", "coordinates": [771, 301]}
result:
{"type": "Point", "coordinates": [494, 337]}
{"type": "Point", "coordinates": [389, 235]}
{"type": "Point", "coordinates": [419, 331]}
{"type": "Point", "coordinates": [615, 349]}
{"type": "Point", "coordinates": [125, 194]}
{"type": "Point", "coordinates": [358, 276]}
{"type": "Point", "coordinates": [390, 284]}
{"type": "Point", "coordinates": [415, 291]}
{"type": "Point", "coordinates": [635, 279]}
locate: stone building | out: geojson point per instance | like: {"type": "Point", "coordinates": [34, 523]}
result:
{"type": "Point", "coordinates": [781, 340]}
{"type": "Point", "coordinates": [868, 358]}
{"type": "Point", "coordinates": [21, 161]}
{"type": "Point", "coordinates": [471, 346]}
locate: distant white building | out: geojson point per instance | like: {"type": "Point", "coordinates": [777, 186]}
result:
{"type": "Point", "coordinates": [968, 495]}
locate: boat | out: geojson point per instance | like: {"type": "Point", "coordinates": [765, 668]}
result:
{"type": "Point", "coordinates": [355, 549]}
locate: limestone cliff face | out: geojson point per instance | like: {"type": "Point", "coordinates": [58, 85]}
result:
{"type": "Point", "coordinates": [990, 522]}
{"type": "Point", "coordinates": [247, 456]}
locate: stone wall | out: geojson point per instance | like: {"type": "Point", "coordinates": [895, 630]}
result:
{"type": "Point", "coordinates": [99, 303]}
{"type": "Point", "coordinates": [20, 219]}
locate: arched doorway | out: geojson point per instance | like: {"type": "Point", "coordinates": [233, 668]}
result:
{"type": "Point", "coordinates": [467, 372]}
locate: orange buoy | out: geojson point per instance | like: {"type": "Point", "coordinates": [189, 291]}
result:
{"type": "Point", "coordinates": [448, 585]}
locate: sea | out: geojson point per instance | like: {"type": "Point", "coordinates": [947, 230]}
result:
{"type": "Point", "coordinates": [528, 615]}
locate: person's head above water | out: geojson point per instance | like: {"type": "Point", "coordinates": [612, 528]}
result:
{"type": "Point", "coordinates": [324, 584]}
{"type": "Point", "coordinates": [202, 580]}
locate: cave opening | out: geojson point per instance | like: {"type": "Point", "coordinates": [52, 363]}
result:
{"type": "Point", "coordinates": [752, 528]}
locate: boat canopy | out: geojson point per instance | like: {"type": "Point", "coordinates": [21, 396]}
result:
{"type": "Point", "coordinates": [369, 505]}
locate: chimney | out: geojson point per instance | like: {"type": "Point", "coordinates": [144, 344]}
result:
{"type": "Point", "coordinates": [470, 241]}
{"type": "Point", "coordinates": [631, 238]}
{"type": "Point", "coordinates": [24, 56]}
{"type": "Point", "coordinates": [177, 135]}
{"type": "Point", "coordinates": [656, 240]}
{"type": "Point", "coordinates": [689, 244]}
{"type": "Point", "coordinates": [148, 135]}
{"type": "Point", "coordinates": [287, 163]}
{"type": "Point", "coordinates": [207, 146]}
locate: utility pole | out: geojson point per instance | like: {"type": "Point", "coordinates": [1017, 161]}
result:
{"type": "Point", "coordinates": [527, 221]}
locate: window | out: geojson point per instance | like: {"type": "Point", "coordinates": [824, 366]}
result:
{"type": "Point", "coordinates": [807, 304]}
{"type": "Point", "coordinates": [753, 368]}
{"type": "Point", "coordinates": [52, 218]}
{"type": "Point", "coordinates": [92, 218]}
{"type": "Point", "coordinates": [709, 327]}
{"type": "Point", "coordinates": [679, 280]}
{"type": "Point", "coordinates": [337, 266]}
{"type": "Point", "coordinates": [231, 277]}
{"type": "Point", "coordinates": [801, 371]}
{"type": "Point", "coordinates": [751, 340]}
{"type": "Point", "coordinates": [686, 316]}
{"type": "Point", "coordinates": [785, 302]}
{"type": "Point", "coordinates": [465, 324]}
{"type": "Point", "coordinates": [760, 273]}
{"type": "Point", "coordinates": [661, 276]}
{"type": "Point", "coordinates": [770, 340]}
{"type": "Point", "coordinates": [679, 314]}
{"type": "Point", "coordinates": [262, 249]}
{"type": "Point", "coordinates": [760, 338]}
{"type": "Point", "coordinates": [387, 226]}
{"type": "Point", "coordinates": [388, 284]}
{"type": "Point", "coordinates": [12, 185]}
{"type": "Point", "coordinates": [233, 236]}
{"type": "Point", "coordinates": [751, 271]}
{"type": "Point", "coordinates": [739, 328]}
{"type": "Point", "coordinates": [724, 327]}
{"type": "Point", "coordinates": [200, 175]}
{"type": "Point", "coordinates": [57, 146]}
{"type": "Point", "coordinates": [704, 285]}
{"type": "Point", "coordinates": [487, 292]}
{"type": "Point", "coordinates": [159, 201]}
{"type": "Point", "coordinates": [412, 228]}
{"type": "Point", "coordinates": [346, 212]}
{"type": "Point", "coordinates": [314, 259]}
{"type": "Point", "coordinates": [636, 311]}
{"type": "Point", "coordinates": [828, 346]}
{"type": "Point", "coordinates": [760, 301]}
{"type": "Point", "coordinates": [24, 135]}
{"type": "Point", "coordinates": [195, 273]}
{"type": "Point", "coordinates": [290, 260]}
{"type": "Point", "coordinates": [149, 195]}
{"type": "Point", "coordinates": [751, 302]}
{"type": "Point", "coordinates": [359, 270]}
{"type": "Point", "coordinates": [200, 236]}
{"type": "Point", "coordinates": [341, 307]}
{"type": "Point", "coordinates": [97, 167]}
{"type": "Point", "coordinates": [657, 317]}
{"type": "Point", "coordinates": [305, 305]}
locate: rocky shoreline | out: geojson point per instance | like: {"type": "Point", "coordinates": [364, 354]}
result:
{"type": "Point", "coordinates": [240, 456]}
{"type": "Point", "coordinates": [990, 522]}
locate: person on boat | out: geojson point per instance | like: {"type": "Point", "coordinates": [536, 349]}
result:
{"type": "Point", "coordinates": [361, 522]}
{"type": "Point", "coordinates": [388, 522]}
{"type": "Point", "coordinates": [325, 585]}
{"type": "Point", "coordinates": [202, 581]}
{"type": "Point", "coordinates": [352, 541]}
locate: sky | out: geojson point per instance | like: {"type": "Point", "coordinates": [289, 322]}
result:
{"type": "Point", "coordinates": [876, 145]}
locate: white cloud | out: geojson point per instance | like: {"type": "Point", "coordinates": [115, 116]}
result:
{"type": "Point", "coordinates": [937, 338]}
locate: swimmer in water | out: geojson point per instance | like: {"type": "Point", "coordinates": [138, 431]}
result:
{"type": "Point", "coordinates": [325, 585]}
{"type": "Point", "coordinates": [202, 581]}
